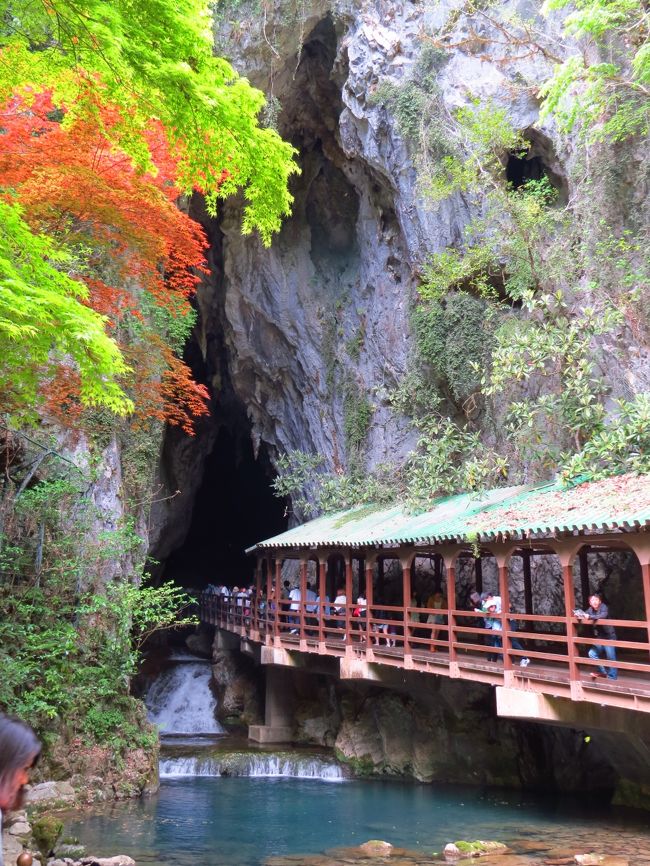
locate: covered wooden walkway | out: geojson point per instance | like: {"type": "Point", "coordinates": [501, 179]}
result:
{"type": "Point", "coordinates": [347, 555]}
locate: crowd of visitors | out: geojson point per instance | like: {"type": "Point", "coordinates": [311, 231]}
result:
{"type": "Point", "coordinates": [385, 627]}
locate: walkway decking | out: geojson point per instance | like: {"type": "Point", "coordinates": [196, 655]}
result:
{"type": "Point", "coordinates": [555, 646]}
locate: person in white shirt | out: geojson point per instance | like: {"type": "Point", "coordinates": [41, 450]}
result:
{"type": "Point", "coordinates": [340, 603]}
{"type": "Point", "coordinates": [294, 598]}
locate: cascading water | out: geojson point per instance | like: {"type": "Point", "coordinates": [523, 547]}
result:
{"type": "Point", "coordinates": [275, 765]}
{"type": "Point", "coordinates": [179, 701]}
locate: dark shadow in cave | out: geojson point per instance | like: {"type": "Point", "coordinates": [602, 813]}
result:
{"type": "Point", "coordinates": [234, 508]}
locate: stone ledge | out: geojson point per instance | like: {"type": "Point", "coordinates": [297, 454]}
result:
{"type": "Point", "coordinates": [270, 733]}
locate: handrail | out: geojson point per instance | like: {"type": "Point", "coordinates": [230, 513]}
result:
{"type": "Point", "coordinates": [406, 633]}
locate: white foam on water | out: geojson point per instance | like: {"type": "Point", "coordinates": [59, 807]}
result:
{"type": "Point", "coordinates": [179, 701]}
{"type": "Point", "coordinates": [267, 766]}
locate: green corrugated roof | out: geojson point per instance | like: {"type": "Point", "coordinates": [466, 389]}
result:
{"type": "Point", "coordinates": [539, 510]}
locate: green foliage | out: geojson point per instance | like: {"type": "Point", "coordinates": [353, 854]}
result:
{"type": "Point", "coordinates": [478, 136]}
{"type": "Point", "coordinates": [558, 343]}
{"type": "Point", "coordinates": [620, 444]}
{"type": "Point", "coordinates": [357, 416]}
{"type": "Point", "coordinates": [453, 336]}
{"type": "Point", "coordinates": [46, 831]}
{"type": "Point", "coordinates": [42, 321]}
{"type": "Point", "coordinates": [70, 635]}
{"type": "Point", "coordinates": [608, 97]}
{"type": "Point", "coordinates": [154, 58]}
{"type": "Point", "coordinates": [451, 458]}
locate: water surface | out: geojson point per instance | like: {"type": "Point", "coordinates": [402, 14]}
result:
{"type": "Point", "coordinates": [241, 821]}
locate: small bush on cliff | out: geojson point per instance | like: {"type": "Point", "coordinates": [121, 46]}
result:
{"type": "Point", "coordinates": [75, 613]}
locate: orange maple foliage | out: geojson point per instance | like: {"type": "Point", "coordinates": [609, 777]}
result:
{"type": "Point", "coordinates": [133, 239]}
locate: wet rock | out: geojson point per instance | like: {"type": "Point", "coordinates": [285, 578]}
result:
{"type": "Point", "coordinates": [376, 848]}
{"type": "Point", "coordinates": [118, 860]}
{"type": "Point", "coordinates": [600, 860]}
{"type": "Point", "coordinates": [452, 851]}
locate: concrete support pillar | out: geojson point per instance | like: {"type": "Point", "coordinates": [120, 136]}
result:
{"type": "Point", "coordinates": [278, 708]}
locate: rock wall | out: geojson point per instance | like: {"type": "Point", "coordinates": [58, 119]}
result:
{"type": "Point", "coordinates": [324, 312]}
{"type": "Point", "coordinates": [431, 729]}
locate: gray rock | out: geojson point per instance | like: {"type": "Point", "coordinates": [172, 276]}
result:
{"type": "Point", "coordinates": [118, 860]}
{"type": "Point", "coordinates": [50, 791]}
{"type": "Point", "coordinates": [19, 828]}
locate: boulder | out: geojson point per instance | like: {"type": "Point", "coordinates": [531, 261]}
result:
{"type": "Point", "coordinates": [19, 828]}
{"type": "Point", "coordinates": [118, 860]}
{"type": "Point", "coordinates": [600, 860]}
{"type": "Point", "coordinates": [376, 848]}
{"type": "Point", "coordinates": [50, 792]}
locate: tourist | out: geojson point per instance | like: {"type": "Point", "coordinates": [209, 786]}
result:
{"type": "Point", "coordinates": [19, 751]}
{"type": "Point", "coordinates": [494, 622]}
{"type": "Point", "coordinates": [361, 613]}
{"type": "Point", "coordinates": [310, 605]}
{"type": "Point", "coordinates": [436, 601]}
{"type": "Point", "coordinates": [340, 605]}
{"type": "Point", "coordinates": [294, 607]}
{"type": "Point", "coordinates": [596, 611]}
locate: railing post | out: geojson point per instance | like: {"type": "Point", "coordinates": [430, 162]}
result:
{"type": "Point", "coordinates": [303, 597]}
{"type": "Point", "coordinates": [369, 566]}
{"type": "Point", "coordinates": [322, 592]}
{"type": "Point", "coordinates": [269, 595]}
{"type": "Point", "coordinates": [450, 568]}
{"type": "Point", "coordinates": [645, 577]}
{"type": "Point", "coordinates": [572, 650]}
{"type": "Point", "coordinates": [406, 584]}
{"type": "Point", "coordinates": [278, 597]}
{"type": "Point", "coordinates": [348, 597]}
{"type": "Point", "coordinates": [255, 605]}
{"type": "Point", "coordinates": [504, 592]}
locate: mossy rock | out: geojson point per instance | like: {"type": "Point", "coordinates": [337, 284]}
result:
{"type": "Point", "coordinates": [46, 832]}
{"type": "Point", "coordinates": [479, 847]}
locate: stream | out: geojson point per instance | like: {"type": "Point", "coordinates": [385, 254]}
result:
{"type": "Point", "coordinates": [223, 802]}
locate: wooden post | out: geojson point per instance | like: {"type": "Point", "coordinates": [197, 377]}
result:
{"type": "Point", "coordinates": [322, 592]}
{"type": "Point", "coordinates": [369, 600]}
{"type": "Point", "coordinates": [569, 604]}
{"type": "Point", "coordinates": [645, 577]}
{"type": "Point", "coordinates": [505, 609]}
{"type": "Point", "coordinates": [269, 591]}
{"type": "Point", "coordinates": [406, 584]}
{"type": "Point", "coordinates": [278, 596]}
{"type": "Point", "coordinates": [450, 566]}
{"type": "Point", "coordinates": [528, 582]}
{"type": "Point", "coordinates": [348, 596]}
{"type": "Point", "coordinates": [640, 544]}
{"type": "Point", "coordinates": [255, 605]}
{"type": "Point", "coordinates": [584, 576]}
{"type": "Point", "coordinates": [303, 596]}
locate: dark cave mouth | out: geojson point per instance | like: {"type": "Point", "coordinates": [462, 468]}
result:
{"type": "Point", "coordinates": [234, 508]}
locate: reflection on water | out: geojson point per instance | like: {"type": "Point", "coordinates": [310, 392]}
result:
{"type": "Point", "coordinates": [241, 821]}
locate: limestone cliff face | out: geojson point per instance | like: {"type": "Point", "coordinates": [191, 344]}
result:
{"type": "Point", "coordinates": [324, 312]}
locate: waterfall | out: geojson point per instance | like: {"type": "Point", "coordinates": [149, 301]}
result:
{"type": "Point", "coordinates": [266, 765]}
{"type": "Point", "coordinates": [180, 701]}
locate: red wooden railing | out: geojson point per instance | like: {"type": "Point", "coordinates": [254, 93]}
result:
{"type": "Point", "coordinates": [556, 646]}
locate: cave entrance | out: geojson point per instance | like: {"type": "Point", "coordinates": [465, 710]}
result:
{"type": "Point", "coordinates": [234, 508]}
